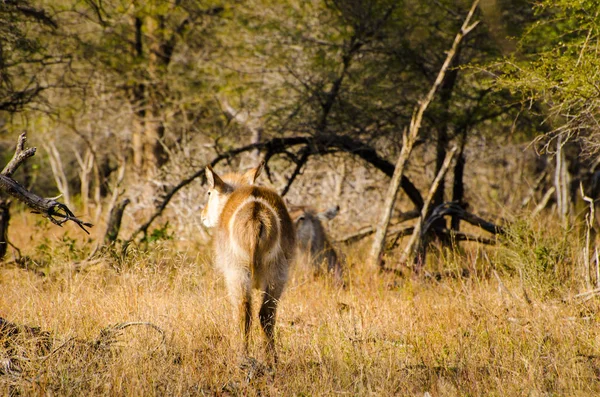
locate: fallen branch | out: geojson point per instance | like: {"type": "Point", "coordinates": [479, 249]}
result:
{"type": "Point", "coordinates": [58, 213]}
{"type": "Point", "coordinates": [14, 337]}
{"type": "Point", "coordinates": [588, 294]}
{"type": "Point", "coordinates": [454, 208]}
{"type": "Point", "coordinates": [462, 236]}
{"type": "Point", "coordinates": [40, 344]}
{"type": "Point", "coordinates": [109, 334]}
{"type": "Point", "coordinates": [365, 232]}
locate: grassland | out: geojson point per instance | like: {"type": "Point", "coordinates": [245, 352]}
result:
{"type": "Point", "coordinates": [513, 327]}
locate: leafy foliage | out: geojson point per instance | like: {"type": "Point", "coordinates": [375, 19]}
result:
{"type": "Point", "coordinates": [557, 65]}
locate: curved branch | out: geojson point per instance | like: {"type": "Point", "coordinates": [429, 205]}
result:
{"type": "Point", "coordinates": [304, 153]}
{"type": "Point", "coordinates": [455, 209]}
{"type": "Point", "coordinates": [315, 145]}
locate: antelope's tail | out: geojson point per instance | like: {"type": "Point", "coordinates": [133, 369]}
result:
{"type": "Point", "coordinates": [255, 230]}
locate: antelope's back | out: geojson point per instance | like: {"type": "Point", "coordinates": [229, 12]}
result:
{"type": "Point", "coordinates": [255, 219]}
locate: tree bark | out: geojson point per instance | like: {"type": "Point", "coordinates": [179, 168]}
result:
{"type": "Point", "coordinates": [4, 220]}
{"type": "Point", "coordinates": [148, 128]}
{"type": "Point", "coordinates": [458, 187]}
{"type": "Point", "coordinates": [138, 103]}
{"type": "Point", "coordinates": [114, 222]}
{"type": "Point", "coordinates": [561, 183]}
{"type": "Point", "coordinates": [446, 90]}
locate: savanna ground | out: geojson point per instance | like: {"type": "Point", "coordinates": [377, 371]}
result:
{"type": "Point", "coordinates": [514, 326]}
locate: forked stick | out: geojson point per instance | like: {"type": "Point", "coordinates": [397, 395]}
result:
{"type": "Point", "coordinates": [58, 213]}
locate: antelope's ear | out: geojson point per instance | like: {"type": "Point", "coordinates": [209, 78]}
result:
{"type": "Point", "coordinates": [214, 181]}
{"type": "Point", "coordinates": [330, 213]}
{"type": "Point", "coordinates": [250, 176]}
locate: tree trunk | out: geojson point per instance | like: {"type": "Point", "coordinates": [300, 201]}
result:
{"type": "Point", "coordinates": [418, 240]}
{"type": "Point", "coordinates": [58, 171]}
{"type": "Point", "coordinates": [458, 187]}
{"type": "Point", "coordinates": [138, 103]}
{"type": "Point", "coordinates": [561, 183]}
{"type": "Point", "coordinates": [148, 129]}
{"type": "Point", "coordinates": [114, 222]}
{"type": "Point", "coordinates": [446, 90]}
{"type": "Point", "coordinates": [4, 220]}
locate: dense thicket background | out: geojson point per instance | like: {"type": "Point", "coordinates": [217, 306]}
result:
{"type": "Point", "coordinates": [163, 87]}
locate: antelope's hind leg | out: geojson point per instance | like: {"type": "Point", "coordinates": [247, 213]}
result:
{"type": "Point", "coordinates": [240, 294]}
{"type": "Point", "coordinates": [245, 316]}
{"type": "Point", "coordinates": [267, 317]}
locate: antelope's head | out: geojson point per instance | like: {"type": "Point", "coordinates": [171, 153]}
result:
{"type": "Point", "coordinates": [309, 230]}
{"type": "Point", "coordinates": [219, 190]}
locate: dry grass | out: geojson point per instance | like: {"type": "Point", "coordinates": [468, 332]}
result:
{"type": "Point", "coordinates": [382, 335]}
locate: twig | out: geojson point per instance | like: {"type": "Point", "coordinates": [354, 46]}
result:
{"type": "Point", "coordinates": [538, 208]}
{"type": "Point", "coordinates": [108, 333]}
{"type": "Point", "coordinates": [46, 357]}
{"type": "Point", "coordinates": [534, 188]}
{"type": "Point", "coordinates": [462, 236]}
{"type": "Point", "coordinates": [304, 153]}
{"type": "Point", "coordinates": [365, 232]}
{"type": "Point", "coordinates": [503, 287]}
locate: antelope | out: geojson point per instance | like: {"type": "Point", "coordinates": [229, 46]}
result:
{"type": "Point", "coordinates": [254, 246]}
{"type": "Point", "coordinates": [313, 243]}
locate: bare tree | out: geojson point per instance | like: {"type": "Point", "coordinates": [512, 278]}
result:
{"type": "Point", "coordinates": [409, 138]}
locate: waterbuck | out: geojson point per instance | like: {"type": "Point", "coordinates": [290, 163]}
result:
{"type": "Point", "coordinates": [313, 244]}
{"type": "Point", "coordinates": [254, 245]}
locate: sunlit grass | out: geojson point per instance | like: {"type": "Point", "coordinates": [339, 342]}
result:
{"type": "Point", "coordinates": [382, 335]}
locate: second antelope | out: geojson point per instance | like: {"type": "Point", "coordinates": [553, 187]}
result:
{"type": "Point", "coordinates": [313, 244]}
{"type": "Point", "coordinates": [254, 244]}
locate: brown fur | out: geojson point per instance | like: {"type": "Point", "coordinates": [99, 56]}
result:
{"type": "Point", "coordinates": [254, 246]}
{"type": "Point", "coordinates": [313, 243]}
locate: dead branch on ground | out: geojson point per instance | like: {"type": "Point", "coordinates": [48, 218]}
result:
{"type": "Point", "coordinates": [24, 343]}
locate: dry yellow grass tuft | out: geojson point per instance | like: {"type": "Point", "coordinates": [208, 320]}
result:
{"type": "Point", "coordinates": [382, 335]}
